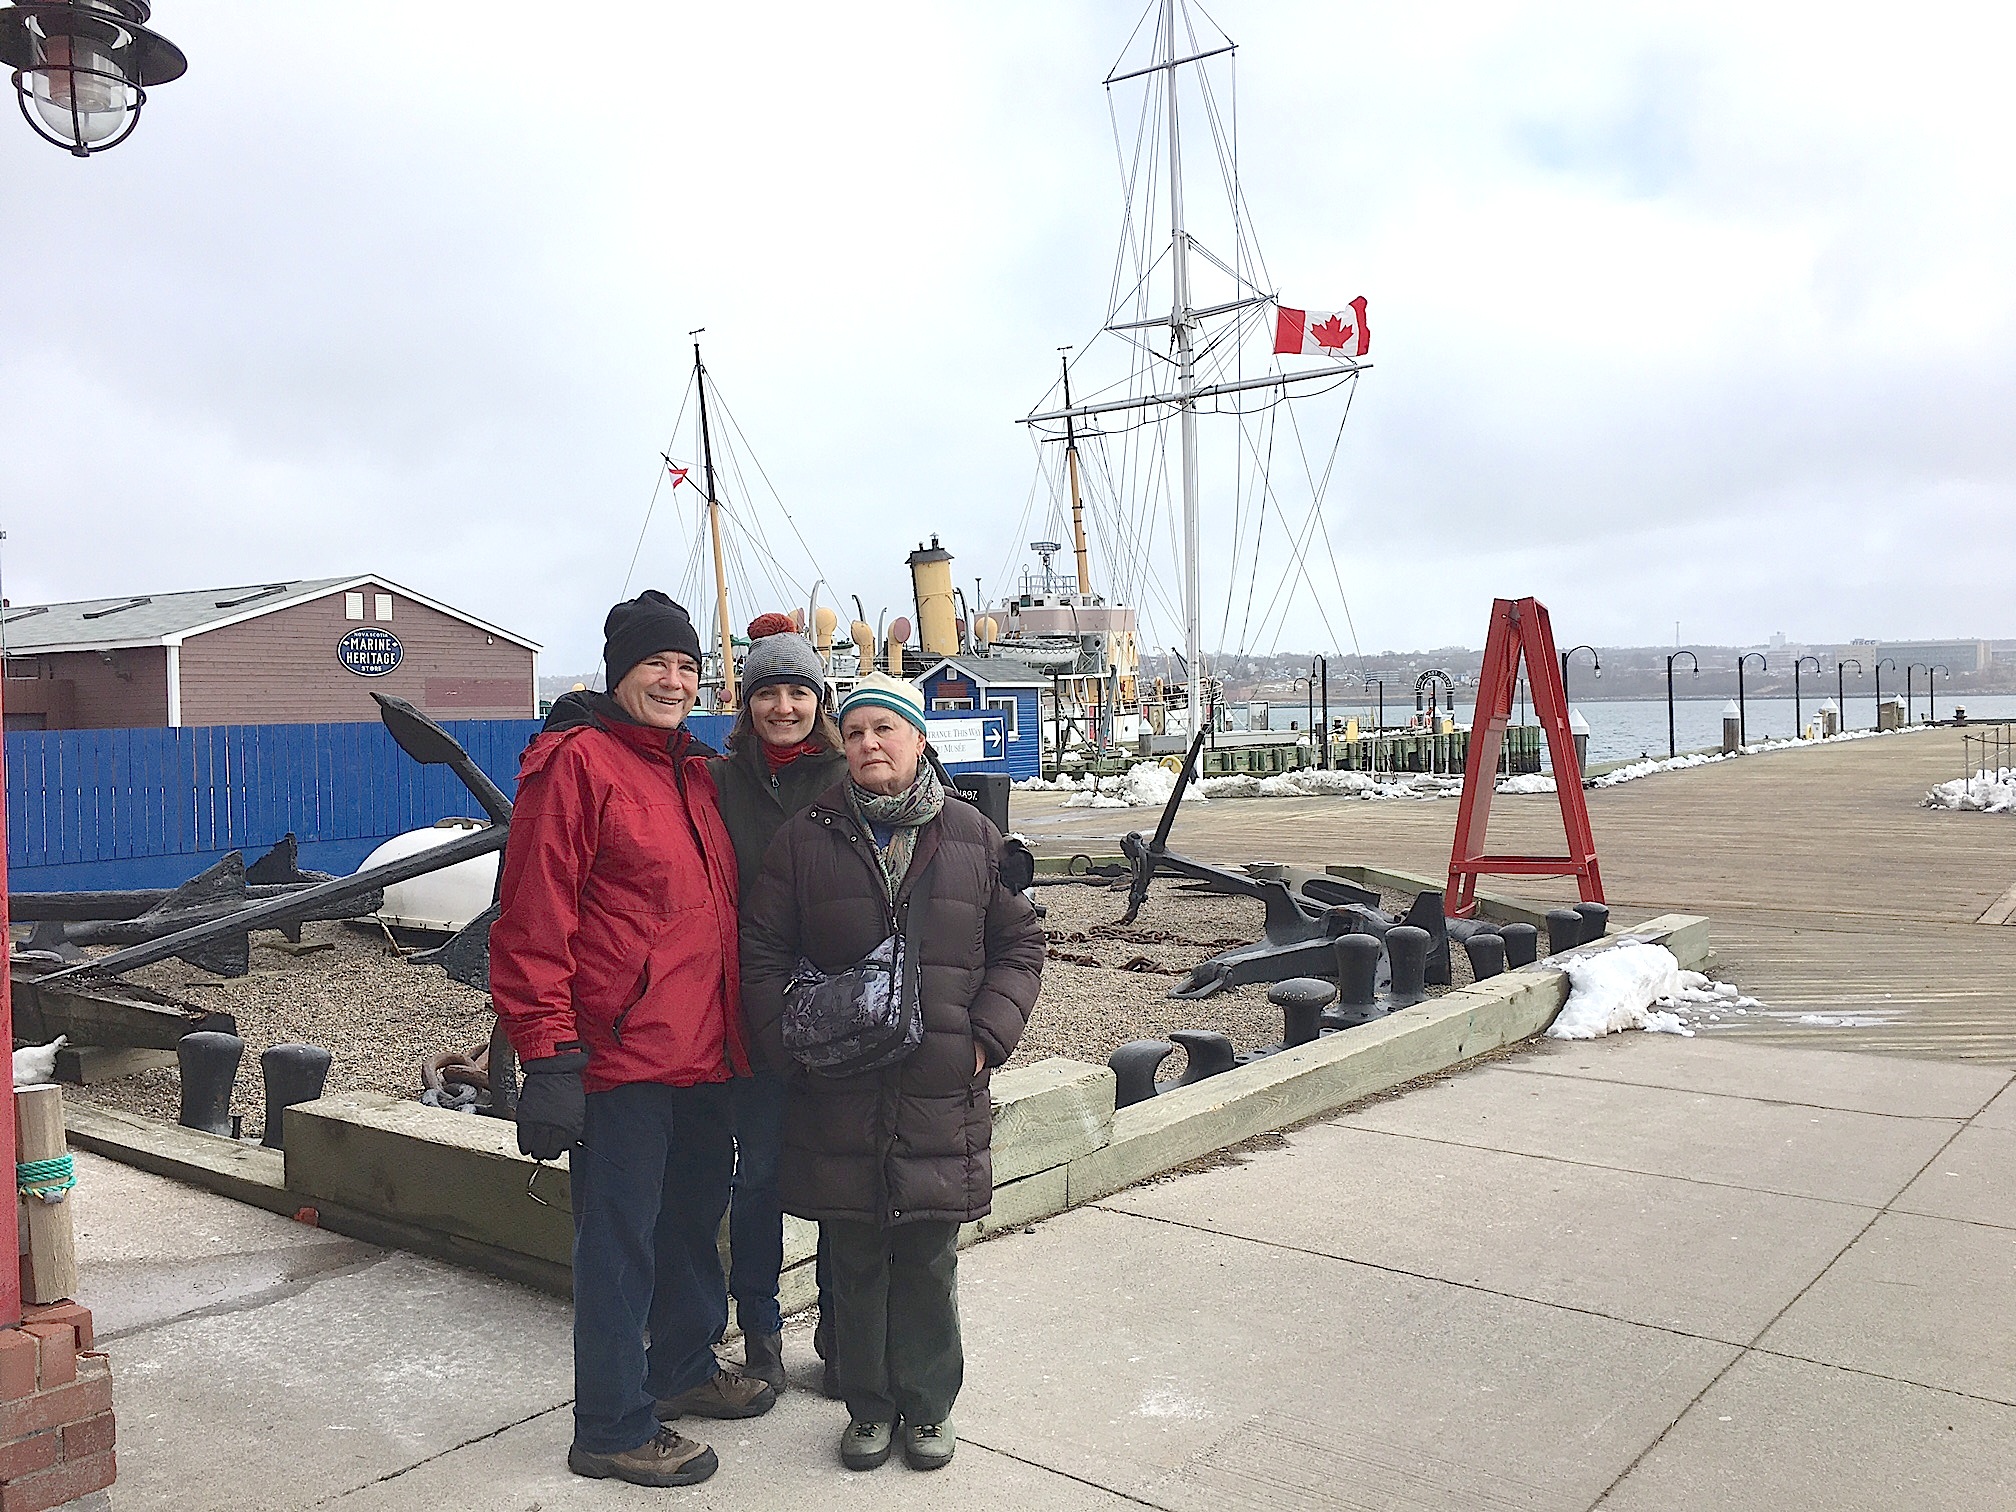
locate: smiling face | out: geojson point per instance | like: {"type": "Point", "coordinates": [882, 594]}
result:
{"type": "Point", "coordinates": [783, 714]}
{"type": "Point", "coordinates": [660, 690]}
{"type": "Point", "coordinates": [883, 749]}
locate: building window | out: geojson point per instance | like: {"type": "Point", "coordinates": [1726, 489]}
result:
{"type": "Point", "coordinates": [23, 669]}
{"type": "Point", "coordinates": [1005, 707]}
{"type": "Point", "coordinates": [353, 606]}
{"type": "Point", "coordinates": [950, 705]}
{"type": "Point", "coordinates": [382, 609]}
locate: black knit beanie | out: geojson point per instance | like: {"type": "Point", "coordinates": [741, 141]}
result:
{"type": "Point", "coordinates": [641, 627]}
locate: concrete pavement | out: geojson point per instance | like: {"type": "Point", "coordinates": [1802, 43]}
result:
{"type": "Point", "coordinates": [1639, 1274]}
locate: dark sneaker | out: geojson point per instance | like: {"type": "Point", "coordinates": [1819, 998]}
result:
{"type": "Point", "coordinates": [726, 1394]}
{"type": "Point", "coordinates": [865, 1445]}
{"type": "Point", "coordinates": [929, 1446]}
{"type": "Point", "coordinates": [665, 1459]}
{"type": "Point", "coordinates": [763, 1359]}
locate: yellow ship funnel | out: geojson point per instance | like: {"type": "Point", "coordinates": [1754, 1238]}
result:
{"type": "Point", "coordinates": [931, 579]}
{"type": "Point", "coordinates": [864, 645]}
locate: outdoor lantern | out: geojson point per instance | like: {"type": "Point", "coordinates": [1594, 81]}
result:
{"type": "Point", "coordinates": [84, 67]}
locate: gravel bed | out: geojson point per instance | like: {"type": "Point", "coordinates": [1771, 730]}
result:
{"type": "Point", "coordinates": [1107, 983]}
{"type": "Point", "coordinates": [355, 997]}
{"type": "Point", "coordinates": [350, 990]}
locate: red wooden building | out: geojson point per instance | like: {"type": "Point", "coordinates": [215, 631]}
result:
{"type": "Point", "coordinates": [305, 652]}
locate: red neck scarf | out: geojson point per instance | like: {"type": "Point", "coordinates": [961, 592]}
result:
{"type": "Point", "coordinates": [779, 757]}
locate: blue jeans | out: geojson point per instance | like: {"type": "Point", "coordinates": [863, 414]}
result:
{"type": "Point", "coordinates": [650, 1182]}
{"type": "Point", "coordinates": [756, 1218]}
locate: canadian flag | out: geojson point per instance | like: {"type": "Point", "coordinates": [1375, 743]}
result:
{"type": "Point", "coordinates": [1323, 333]}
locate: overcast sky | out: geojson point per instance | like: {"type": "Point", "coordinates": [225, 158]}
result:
{"type": "Point", "coordinates": [1695, 314]}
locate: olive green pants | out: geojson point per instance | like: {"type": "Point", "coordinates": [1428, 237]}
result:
{"type": "Point", "coordinates": [896, 1319]}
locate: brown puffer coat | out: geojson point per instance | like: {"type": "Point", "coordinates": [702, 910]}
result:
{"type": "Point", "coordinates": [908, 1143]}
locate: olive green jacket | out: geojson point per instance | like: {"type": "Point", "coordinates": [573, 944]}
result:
{"type": "Point", "coordinates": [754, 803]}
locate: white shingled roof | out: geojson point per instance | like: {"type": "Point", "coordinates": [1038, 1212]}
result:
{"type": "Point", "coordinates": [168, 619]}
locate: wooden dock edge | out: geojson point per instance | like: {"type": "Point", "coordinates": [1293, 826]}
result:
{"type": "Point", "coordinates": [452, 1186]}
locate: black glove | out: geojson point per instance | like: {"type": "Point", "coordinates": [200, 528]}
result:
{"type": "Point", "coordinates": [552, 1105]}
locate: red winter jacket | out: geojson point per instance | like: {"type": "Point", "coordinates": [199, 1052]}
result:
{"type": "Point", "coordinates": [618, 925]}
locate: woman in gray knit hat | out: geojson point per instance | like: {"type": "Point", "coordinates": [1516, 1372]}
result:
{"type": "Point", "coordinates": [783, 752]}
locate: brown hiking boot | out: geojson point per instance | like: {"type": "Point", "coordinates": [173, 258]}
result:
{"type": "Point", "coordinates": [725, 1394]}
{"type": "Point", "coordinates": [664, 1459]}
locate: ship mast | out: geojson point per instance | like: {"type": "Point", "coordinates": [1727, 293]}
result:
{"type": "Point", "coordinates": [1077, 502]}
{"type": "Point", "coordinates": [1183, 320]}
{"type": "Point", "coordinates": [1180, 321]}
{"type": "Point", "coordinates": [727, 705]}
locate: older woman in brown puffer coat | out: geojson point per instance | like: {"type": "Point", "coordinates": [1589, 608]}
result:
{"type": "Point", "coordinates": [891, 1162]}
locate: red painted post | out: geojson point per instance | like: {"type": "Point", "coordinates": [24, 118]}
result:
{"type": "Point", "coordinates": [1519, 627]}
{"type": "Point", "coordinates": [10, 1275]}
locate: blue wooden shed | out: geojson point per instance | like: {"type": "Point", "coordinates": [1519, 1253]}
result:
{"type": "Point", "coordinates": [992, 685]}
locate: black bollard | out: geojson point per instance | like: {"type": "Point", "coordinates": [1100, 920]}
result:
{"type": "Point", "coordinates": [1427, 914]}
{"type": "Point", "coordinates": [1207, 1052]}
{"type": "Point", "coordinates": [1595, 920]}
{"type": "Point", "coordinates": [1301, 1001]}
{"type": "Point", "coordinates": [209, 1074]}
{"type": "Point", "coordinates": [1407, 951]}
{"type": "Point", "coordinates": [1522, 945]}
{"type": "Point", "coordinates": [1357, 981]}
{"type": "Point", "coordinates": [1564, 930]}
{"type": "Point", "coordinates": [294, 1074]}
{"type": "Point", "coordinates": [1487, 956]}
{"type": "Point", "coordinates": [1134, 1066]}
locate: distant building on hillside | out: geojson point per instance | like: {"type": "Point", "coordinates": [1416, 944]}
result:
{"type": "Point", "coordinates": [1959, 657]}
{"type": "Point", "coordinates": [303, 652]}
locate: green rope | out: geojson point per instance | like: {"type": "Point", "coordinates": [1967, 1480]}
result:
{"type": "Point", "coordinates": [47, 1179]}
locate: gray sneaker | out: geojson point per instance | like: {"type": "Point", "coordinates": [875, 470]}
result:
{"type": "Point", "coordinates": [929, 1446]}
{"type": "Point", "coordinates": [865, 1445]}
{"type": "Point", "coordinates": [664, 1459]}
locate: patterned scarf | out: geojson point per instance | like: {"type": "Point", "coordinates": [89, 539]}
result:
{"type": "Point", "coordinates": [906, 813]}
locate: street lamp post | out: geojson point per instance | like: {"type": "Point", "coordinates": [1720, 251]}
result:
{"type": "Point", "coordinates": [1797, 727]}
{"type": "Point", "coordinates": [1891, 662]}
{"type": "Point", "coordinates": [1742, 720]}
{"type": "Point", "coordinates": [1321, 665]}
{"type": "Point", "coordinates": [1931, 713]}
{"type": "Point", "coordinates": [1564, 666]}
{"type": "Point", "coordinates": [1909, 668]}
{"type": "Point", "coordinates": [82, 67]}
{"type": "Point", "coordinates": [1841, 688]}
{"type": "Point", "coordinates": [1672, 745]}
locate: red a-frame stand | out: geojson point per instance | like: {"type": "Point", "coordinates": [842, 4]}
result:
{"type": "Point", "coordinates": [1519, 627]}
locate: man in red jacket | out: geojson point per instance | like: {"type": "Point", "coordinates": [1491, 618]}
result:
{"type": "Point", "coordinates": [614, 967]}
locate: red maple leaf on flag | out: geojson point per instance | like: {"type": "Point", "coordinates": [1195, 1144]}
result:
{"type": "Point", "coordinates": [1332, 333]}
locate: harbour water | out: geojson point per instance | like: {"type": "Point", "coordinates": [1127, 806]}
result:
{"type": "Point", "coordinates": [1623, 729]}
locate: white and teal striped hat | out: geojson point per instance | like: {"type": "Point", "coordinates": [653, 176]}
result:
{"type": "Point", "coordinates": [882, 691]}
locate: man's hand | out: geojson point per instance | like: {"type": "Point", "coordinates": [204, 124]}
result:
{"type": "Point", "coordinates": [553, 1106]}
{"type": "Point", "coordinates": [979, 1062]}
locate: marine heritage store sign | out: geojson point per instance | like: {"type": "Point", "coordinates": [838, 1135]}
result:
{"type": "Point", "coordinates": [369, 651]}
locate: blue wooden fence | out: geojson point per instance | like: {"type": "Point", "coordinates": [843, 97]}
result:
{"type": "Point", "coordinates": [152, 807]}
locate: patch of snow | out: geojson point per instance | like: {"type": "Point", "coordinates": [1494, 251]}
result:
{"type": "Point", "coordinates": [1529, 782]}
{"type": "Point", "coordinates": [1979, 794]}
{"type": "Point", "coordinates": [1637, 985]}
{"type": "Point", "coordinates": [1169, 1404]}
{"type": "Point", "coordinates": [1614, 990]}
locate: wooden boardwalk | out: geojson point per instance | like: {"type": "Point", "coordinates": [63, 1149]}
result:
{"type": "Point", "coordinates": [1836, 899]}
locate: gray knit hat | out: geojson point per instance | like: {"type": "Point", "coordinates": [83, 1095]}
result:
{"type": "Point", "coordinates": [786, 657]}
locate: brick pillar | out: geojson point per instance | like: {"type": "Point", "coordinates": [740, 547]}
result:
{"type": "Point", "coordinates": [56, 1428]}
